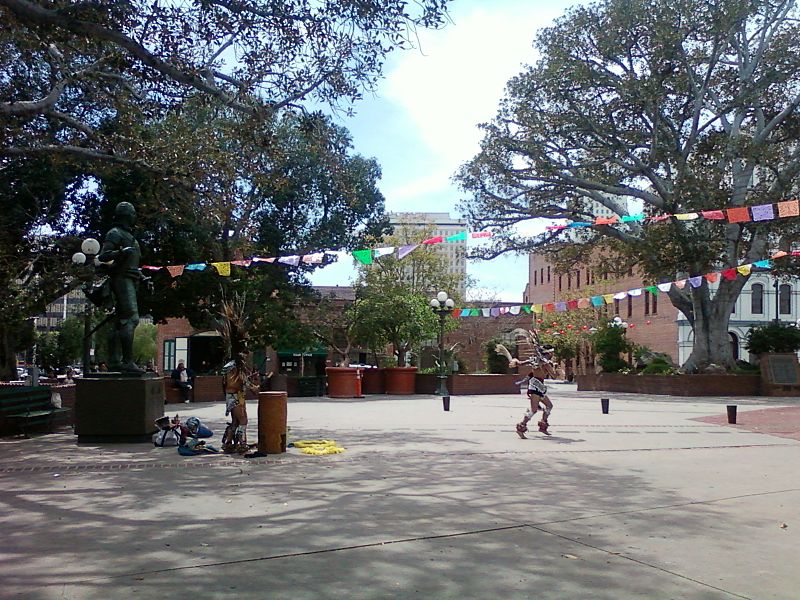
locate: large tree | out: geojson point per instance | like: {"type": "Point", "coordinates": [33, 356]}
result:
{"type": "Point", "coordinates": [196, 112]}
{"type": "Point", "coordinates": [673, 106]}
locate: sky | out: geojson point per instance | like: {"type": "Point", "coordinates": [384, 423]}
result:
{"type": "Point", "coordinates": [422, 122]}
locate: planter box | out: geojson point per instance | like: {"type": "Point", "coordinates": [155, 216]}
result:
{"type": "Point", "coordinates": [373, 381]}
{"type": "Point", "coordinates": [672, 385]}
{"type": "Point", "coordinates": [470, 385]}
{"type": "Point", "coordinates": [400, 380]}
{"type": "Point", "coordinates": [343, 382]}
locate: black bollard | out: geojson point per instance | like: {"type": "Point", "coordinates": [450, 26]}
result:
{"type": "Point", "coordinates": [446, 403]}
{"type": "Point", "coordinates": [604, 405]}
{"type": "Point", "coordinates": [732, 414]}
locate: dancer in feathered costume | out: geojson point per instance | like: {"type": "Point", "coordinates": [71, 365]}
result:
{"type": "Point", "coordinates": [236, 373]}
{"type": "Point", "coordinates": [541, 367]}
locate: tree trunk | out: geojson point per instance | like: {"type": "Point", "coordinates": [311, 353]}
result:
{"type": "Point", "coordinates": [8, 358]}
{"type": "Point", "coordinates": [709, 319]}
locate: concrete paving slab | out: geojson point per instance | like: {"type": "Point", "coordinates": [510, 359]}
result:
{"type": "Point", "coordinates": [645, 502]}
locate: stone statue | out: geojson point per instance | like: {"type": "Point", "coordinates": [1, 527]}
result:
{"type": "Point", "coordinates": [120, 253]}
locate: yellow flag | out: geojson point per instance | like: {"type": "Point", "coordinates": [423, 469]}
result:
{"type": "Point", "coordinates": [744, 269]}
{"type": "Point", "coordinates": [223, 268]}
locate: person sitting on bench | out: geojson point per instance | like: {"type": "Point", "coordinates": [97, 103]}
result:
{"type": "Point", "coordinates": [183, 379]}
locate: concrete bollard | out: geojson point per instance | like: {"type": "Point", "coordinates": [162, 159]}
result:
{"type": "Point", "coordinates": [604, 405]}
{"type": "Point", "coordinates": [732, 414]}
{"type": "Point", "coordinates": [272, 414]}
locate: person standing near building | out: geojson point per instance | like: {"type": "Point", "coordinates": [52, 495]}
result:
{"type": "Point", "coordinates": [234, 383]}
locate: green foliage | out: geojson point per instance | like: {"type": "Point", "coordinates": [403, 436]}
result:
{"type": "Point", "coordinates": [495, 362]}
{"type": "Point", "coordinates": [70, 341]}
{"type": "Point", "coordinates": [659, 366]}
{"type": "Point", "coordinates": [144, 343]}
{"type": "Point", "coordinates": [394, 316]}
{"type": "Point", "coordinates": [136, 101]}
{"type": "Point", "coordinates": [609, 342]}
{"type": "Point", "coordinates": [393, 295]}
{"type": "Point", "coordinates": [774, 337]}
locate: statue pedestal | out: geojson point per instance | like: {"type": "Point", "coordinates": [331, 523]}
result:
{"type": "Point", "coordinates": [116, 408]}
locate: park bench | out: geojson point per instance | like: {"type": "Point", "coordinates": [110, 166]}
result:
{"type": "Point", "coordinates": [25, 407]}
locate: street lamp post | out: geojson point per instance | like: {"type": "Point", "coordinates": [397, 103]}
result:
{"type": "Point", "coordinates": [442, 305]}
{"type": "Point", "coordinates": [88, 254]}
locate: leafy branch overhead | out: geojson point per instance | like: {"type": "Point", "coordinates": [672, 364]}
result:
{"type": "Point", "coordinates": [79, 66]}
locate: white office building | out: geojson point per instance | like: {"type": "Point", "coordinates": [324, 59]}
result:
{"type": "Point", "coordinates": [439, 224]}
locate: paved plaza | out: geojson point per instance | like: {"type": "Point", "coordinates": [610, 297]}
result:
{"type": "Point", "coordinates": [659, 499]}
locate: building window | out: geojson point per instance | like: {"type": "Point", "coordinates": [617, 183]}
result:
{"type": "Point", "coordinates": [757, 299]}
{"type": "Point", "coordinates": [535, 275]}
{"type": "Point", "coordinates": [169, 356]}
{"type": "Point", "coordinates": [577, 279]}
{"type": "Point", "coordinates": [630, 306]}
{"type": "Point", "coordinates": [589, 276]}
{"type": "Point", "coordinates": [647, 302]}
{"type": "Point", "coordinates": [541, 274]}
{"type": "Point", "coordinates": [654, 304]}
{"type": "Point", "coordinates": [616, 306]}
{"type": "Point", "coordinates": [548, 273]}
{"type": "Point", "coordinates": [569, 281]}
{"type": "Point", "coordinates": [785, 299]}
{"type": "Point", "coordinates": [559, 283]}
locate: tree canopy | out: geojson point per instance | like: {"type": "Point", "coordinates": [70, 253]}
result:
{"type": "Point", "coordinates": [670, 106]}
{"type": "Point", "coordinates": [77, 77]}
{"type": "Point", "coordinates": [197, 113]}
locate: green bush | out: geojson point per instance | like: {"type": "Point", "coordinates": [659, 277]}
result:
{"type": "Point", "coordinates": [612, 364]}
{"type": "Point", "coordinates": [774, 337]}
{"type": "Point", "coordinates": [609, 343]}
{"type": "Point", "coordinates": [658, 366]}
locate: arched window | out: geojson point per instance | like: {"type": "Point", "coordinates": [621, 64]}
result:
{"type": "Point", "coordinates": [734, 345]}
{"type": "Point", "coordinates": [785, 299]}
{"type": "Point", "coordinates": [757, 299]}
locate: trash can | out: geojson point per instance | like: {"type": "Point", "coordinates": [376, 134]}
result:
{"type": "Point", "coordinates": [272, 415]}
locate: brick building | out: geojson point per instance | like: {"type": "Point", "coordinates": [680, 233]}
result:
{"type": "Point", "coordinates": [652, 320]}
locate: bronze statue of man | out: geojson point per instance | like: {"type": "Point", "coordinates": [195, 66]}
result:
{"type": "Point", "coordinates": [121, 254]}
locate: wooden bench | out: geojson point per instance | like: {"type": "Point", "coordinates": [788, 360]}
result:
{"type": "Point", "coordinates": [26, 407]}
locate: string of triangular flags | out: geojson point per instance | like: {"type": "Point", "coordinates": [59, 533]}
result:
{"type": "Point", "coordinates": [604, 299]}
{"type": "Point", "coordinates": [364, 256]}
{"type": "Point", "coordinates": [743, 214]}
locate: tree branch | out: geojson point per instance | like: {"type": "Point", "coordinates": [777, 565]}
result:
{"type": "Point", "coordinates": [30, 12]}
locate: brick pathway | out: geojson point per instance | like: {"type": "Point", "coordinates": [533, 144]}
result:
{"type": "Point", "coordinates": [781, 422]}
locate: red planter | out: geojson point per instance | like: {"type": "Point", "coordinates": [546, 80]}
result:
{"type": "Point", "coordinates": [400, 380]}
{"type": "Point", "coordinates": [373, 381]}
{"type": "Point", "coordinates": [343, 382]}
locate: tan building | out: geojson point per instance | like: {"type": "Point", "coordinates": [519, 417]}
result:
{"type": "Point", "coordinates": [440, 224]}
{"type": "Point", "coordinates": [652, 320]}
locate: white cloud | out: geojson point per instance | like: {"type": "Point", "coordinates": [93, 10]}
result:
{"type": "Point", "coordinates": [423, 123]}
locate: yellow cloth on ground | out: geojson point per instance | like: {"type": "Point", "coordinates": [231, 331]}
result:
{"type": "Point", "coordinates": [318, 447]}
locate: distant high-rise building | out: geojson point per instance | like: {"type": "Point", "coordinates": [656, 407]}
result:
{"type": "Point", "coordinates": [70, 304]}
{"type": "Point", "coordinates": [439, 224]}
